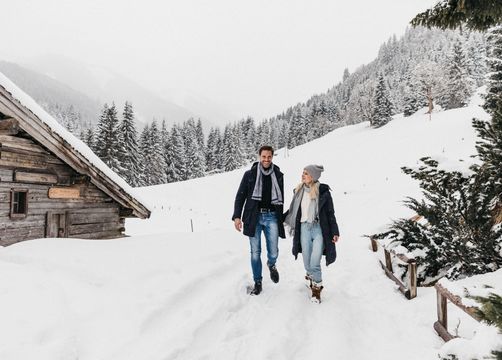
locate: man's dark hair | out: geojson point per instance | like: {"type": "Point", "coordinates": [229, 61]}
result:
{"type": "Point", "coordinates": [266, 148]}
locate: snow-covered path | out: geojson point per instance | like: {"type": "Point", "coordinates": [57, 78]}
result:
{"type": "Point", "coordinates": [168, 293]}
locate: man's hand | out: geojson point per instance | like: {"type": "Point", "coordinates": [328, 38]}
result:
{"type": "Point", "coordinates": [238, 224]}
{"type": "Point", "coordinates": [335, 239]}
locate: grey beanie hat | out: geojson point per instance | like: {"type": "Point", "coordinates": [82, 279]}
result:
{"type": "Point", "coordinates": [314, 171]}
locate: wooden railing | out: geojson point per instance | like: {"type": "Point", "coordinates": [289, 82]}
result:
{"type": "Point", "coordinates": [441, 325]}
{"type": "Point", "coordinates": [409, 291]}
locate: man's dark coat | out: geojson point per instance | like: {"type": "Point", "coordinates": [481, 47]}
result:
{"type": "Point", "coordinates": [251, 210]}
{"type": "Point", "coordinates": [327, 220]}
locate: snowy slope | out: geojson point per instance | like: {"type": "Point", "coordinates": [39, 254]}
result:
{"type": "Point", "coordinates": [168, 293]}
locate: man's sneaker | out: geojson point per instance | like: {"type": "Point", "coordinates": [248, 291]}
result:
{"type": "Point", "coordinates": [308, 281]}
{"type": "Point", "coordinates": [316, 292]}
{"type": "Point", "coordinates": [257, 288]}
{"type": "Point", "coordinates": [274, 274]}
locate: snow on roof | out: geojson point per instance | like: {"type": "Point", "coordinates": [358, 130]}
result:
{"type": "Point", "coordinates": [78, 145]}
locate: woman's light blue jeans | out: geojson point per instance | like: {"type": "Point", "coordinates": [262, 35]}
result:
{"type": "Point", "coordinates": [312, 249]}
{"type": "Point", "coordinates": [267, 222]}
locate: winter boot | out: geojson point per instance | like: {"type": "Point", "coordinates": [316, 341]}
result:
{"type": "Point", "coordinates": [316, 292]}
{"type": "Point", "coordinates": [274, 274]}
{"type": "Point", "coordinates": [308, 281]}
{"type": "Point", "coordinates": [257, 288]}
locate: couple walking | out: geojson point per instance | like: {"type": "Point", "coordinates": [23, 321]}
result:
{"type": "Point", "coordinates": [310, 219]}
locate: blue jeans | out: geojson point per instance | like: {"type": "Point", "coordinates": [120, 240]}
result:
{"type": "Point", "coordinates": [312, 249]}
{"type": "Point", "coordinates": [267, 222]}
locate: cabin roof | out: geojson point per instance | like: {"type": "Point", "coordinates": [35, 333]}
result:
{"type": "Point", "coordinates": [46, 130]}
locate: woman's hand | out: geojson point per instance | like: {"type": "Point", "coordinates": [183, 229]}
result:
{"type": "Point", "coordinates": [335, 239]}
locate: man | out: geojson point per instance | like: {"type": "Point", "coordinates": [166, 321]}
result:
{"type": "Point", "coordinates": [261, 194]}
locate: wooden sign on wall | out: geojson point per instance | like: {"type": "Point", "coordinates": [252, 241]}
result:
{"type": "Point", "coordinates": [64, 192]}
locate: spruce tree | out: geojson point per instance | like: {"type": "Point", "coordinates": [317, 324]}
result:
{"type": "Point", "coordinates": [129, 136]}
{"type": "Point", "coordinates": [176, 170]}
{"type": "Point", "coordinates": [156, 166]}
{"type": "Point", "coordinates": [451, 14]}
{"type": "Point", "coordinates": [90, 138]}
{"type": "Point", "coordinates": [382, 107]}
{"type": "Point", "coordinates": [491, 313]}
{"type": "Point", "coordinates": [109, 145]}
{"type": "Point", "coordinates": [458, 83]}
{"type": "Point", "coordinates": [196, 162]}
{"type": "Point", "coordinates": [144, 156]}
{"type": "Point", "coordinates": [232, 155]}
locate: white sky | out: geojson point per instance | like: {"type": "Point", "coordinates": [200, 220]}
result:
{"type": "Point", "coordinates": [253, 57]}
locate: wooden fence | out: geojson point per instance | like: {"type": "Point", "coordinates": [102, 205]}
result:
{"type": "Point", "coordinates": [409, 291]}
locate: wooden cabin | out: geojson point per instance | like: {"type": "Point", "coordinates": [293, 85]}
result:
{"type": "Point", "coordinates": [51, 184]}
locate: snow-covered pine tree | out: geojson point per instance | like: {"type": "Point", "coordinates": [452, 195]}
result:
{"type": "Point", "coordinates": [109, 144]}
{"type": "Point", "coordinates": [476, 57]}
{"type": "Point", "coordinates": [156, 166]}
{"type": "Point", "coordinates": [176, 170]}
{"type": "Point", "coordinates": [489, 146]}
{"type": "Point", "coordinates": [90, 138]}
{"type": "Point", "coordinates": [129, 136]}
{"type": "Point", "coordinates": [491, 313]}
{"type": "Point", "coordinates": [200, 137]}
{"type": "Point", "coordinates": [232, 155]}
{"type": "Point", "coordinates": [196, 162]}
{"type": "Point", "coordinates": [262, 135]}
{"type": "Point", "coordinates": [296, 128]}
{"type": "Point", "coordinates": [414, 94]}
{"type": "Point", "coordinates": [459, 85]}
{"type": "Point", "coordinates": [213, 150]}
{"type": "Point", "coordinates": [382, 107]}
{"type": "Point", "coordinates": [250, 138]}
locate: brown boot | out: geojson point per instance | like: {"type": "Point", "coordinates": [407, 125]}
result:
{"type": "Point", "coordinates": [316, 292]}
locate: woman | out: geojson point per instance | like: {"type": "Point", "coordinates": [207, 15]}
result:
{"type": "Point", "coordinates": [312, 223]}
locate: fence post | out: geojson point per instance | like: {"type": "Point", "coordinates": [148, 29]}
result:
{"type": "Point", "coordinates": [412, 273]}
{"type": "Point", "coordinates": [388, 260]}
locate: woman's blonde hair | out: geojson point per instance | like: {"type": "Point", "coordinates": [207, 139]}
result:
{"type": "Point", "coordinates": [314, 189]}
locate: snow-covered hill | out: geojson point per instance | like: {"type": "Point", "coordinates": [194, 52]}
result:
{"type": "Point", "coordinates": [169, 293]}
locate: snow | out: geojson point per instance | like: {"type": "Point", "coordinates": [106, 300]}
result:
{"type": "Point", "coordinates": [166, 292]}
{"type": "Point", "coordinates": [78, 145]}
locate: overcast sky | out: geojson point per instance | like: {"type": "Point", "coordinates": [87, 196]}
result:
{"type": "Point", "coordinates": [253, 57]}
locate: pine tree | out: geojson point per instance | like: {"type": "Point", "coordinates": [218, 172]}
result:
{"type": "Point", "coordinates": [129, 136]}
{"type": "Point", "coordinates": [109, 145]}
{"type": "Point", "coordinates": [382, 107]}
{"type": "Point", "coordinates": [213, 150]}
{"type": "Point", "coordinates": [196, 162]}
{"type": "Point", "coordinates": [232, 155]}
{"type": "Point", "coordinates": [489, 146]}
{"type": "Point", "coordinates": [250, 138]}
{"type": "Point", "coordinates": [414, 95]}
{"type": "Point", "coordinates": [176, 170]}
{"type": "Point", "coordinates": [476, 58]}
{"type": "Point", "coordinates": [145, 178]}
{"type": "Point", "coordinates": [200, 137]}
{"type": "Point", "coordinates": [491, 313]}
{"type": "Point", "coordinates": [458, 83]}
{"type": "Point", "coordinates": [90, 138]}
{"type": "Point", "coordinates": [450, 14]}
{"type": "Point", "coordinates": [156, 166]}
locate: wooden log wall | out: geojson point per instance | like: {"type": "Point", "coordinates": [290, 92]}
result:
{"type": "Point", "coordinates": [89, 213]}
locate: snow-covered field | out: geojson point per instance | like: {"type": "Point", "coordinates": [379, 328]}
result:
{"type": "Point", "coordinates": [169, 293]}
